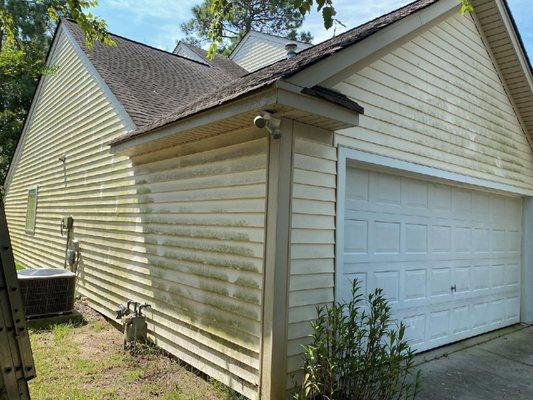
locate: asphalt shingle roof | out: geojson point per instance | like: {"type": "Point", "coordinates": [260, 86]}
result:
{"type": "Point", "coordinates": [147, 81]}
{"type": "Point", "coordinates": [219, 61]}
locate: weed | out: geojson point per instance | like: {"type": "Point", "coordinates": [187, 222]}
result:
{"type": "Point", "coordinates": [225, 391]}
{"type": "Point", "coordinates": [98, 325]}
{"type": "Point", "coordinates": [61, 332]}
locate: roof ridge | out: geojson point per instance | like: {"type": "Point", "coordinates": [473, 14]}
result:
{"type": "Point", "coordinates": [279, 36]}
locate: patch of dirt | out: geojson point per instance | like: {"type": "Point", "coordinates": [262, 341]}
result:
{"type": "Point", "coordinates": [82, 306]}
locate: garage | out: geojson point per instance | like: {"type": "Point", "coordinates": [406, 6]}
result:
{"type": "Point", "coordinates": [447, 256]}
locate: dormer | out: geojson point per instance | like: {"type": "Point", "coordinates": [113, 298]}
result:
{"type": "Point", "coordinates": [257, 50]}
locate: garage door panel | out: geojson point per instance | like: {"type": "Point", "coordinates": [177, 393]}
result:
{"type": "Point", "coordinates": [422, 198]}
{"type": "Point", "coordinates": [439, 276]}
{"type": "Point", "coordinates": [448, 258]}
{"type": "Point", "coordinates": [379, 233]}
{"type": "Point", "coordinates": [440, 325]}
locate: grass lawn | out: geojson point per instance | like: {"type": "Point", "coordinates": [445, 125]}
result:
{"type": "Point", "coordinates": [87, 362]}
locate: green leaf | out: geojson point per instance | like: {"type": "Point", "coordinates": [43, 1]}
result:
{"type": "Point", "coordinates": [328, 12]}
{"type": "Point", "coordinates": [466, 6]}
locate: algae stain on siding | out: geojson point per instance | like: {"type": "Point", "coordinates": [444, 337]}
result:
{"type": "Point", "coordinates": [434, 101]}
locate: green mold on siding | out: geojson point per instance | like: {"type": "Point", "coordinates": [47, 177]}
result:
{"type": "Point", "coordinates": [225, 249]}
{"type": "Point", "coordinates": [231, 264]}
{"type": "Point", "coordinates": [247, 297]}
{"type": "Point", "coordinates": [248, 282]}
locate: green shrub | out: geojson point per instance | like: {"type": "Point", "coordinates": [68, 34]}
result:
{"type": "Point", "coordinates": [358, 352]}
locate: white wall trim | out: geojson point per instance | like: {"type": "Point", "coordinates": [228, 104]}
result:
{"type": "Point", "coordinates": [431, 172]}
{"type": "Point", "coordinates": [339, 221]}
{"type": "Point", "coordinates": [526, 301]}
{"type": "Point", "coordinates": [128, 123]}
{"type": "Point", "coordinates": [357, 157]}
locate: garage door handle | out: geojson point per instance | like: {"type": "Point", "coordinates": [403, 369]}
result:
{"type": "Point", "coordinates": [454, 288]}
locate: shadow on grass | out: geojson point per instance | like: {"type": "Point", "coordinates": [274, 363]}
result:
{"type": "Point", "coordinates": [48, 323]}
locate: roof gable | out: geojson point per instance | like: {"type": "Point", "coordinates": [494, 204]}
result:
{"type": "Point", "coordinates": [495, 24]}
{"type": "Point", "coordinates": [258, 49]}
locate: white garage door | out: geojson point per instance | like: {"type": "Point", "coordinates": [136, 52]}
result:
{"type": "Point", "coordinates": [448, 258]}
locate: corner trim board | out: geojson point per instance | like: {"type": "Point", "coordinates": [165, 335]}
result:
{"type": "Point", "coordinates": [276, 266]}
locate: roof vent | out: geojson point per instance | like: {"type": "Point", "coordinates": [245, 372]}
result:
{"type": "Point", "coordinates": [291, 49]}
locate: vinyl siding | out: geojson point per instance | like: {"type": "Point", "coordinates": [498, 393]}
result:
{"type": "Point", "coordinates": [312, 244]}
{"type": "Point", "coordinates": [259, 50]}
{"type": "Point", "coordinates": [439, 101]}
{"type": "Point", "coordinates": [181, 229]}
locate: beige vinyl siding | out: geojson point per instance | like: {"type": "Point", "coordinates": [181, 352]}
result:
{"type": "Point", "coordinates": [439, 101]}
{"type": "Point", "coordinates": [312, 241]}
{"type": "Point", "coordinates": [256, 53]}
{"type": "Point", "coordinates": [184, 51]}
{"type": "Point", "coordinates": [181, 229]}
{"type": "Point", "coordinates": [259, 50]}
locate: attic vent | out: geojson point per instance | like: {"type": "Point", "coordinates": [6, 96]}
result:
{"type": "Point", "coordinates": [291, 49]}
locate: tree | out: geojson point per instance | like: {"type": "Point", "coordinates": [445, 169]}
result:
{"type": "Point", "coordinates": [277, 17]}
{"type": "Point", "coordinates": [222, 12]}
{"type": "Point", "coordinates": [26, 29]}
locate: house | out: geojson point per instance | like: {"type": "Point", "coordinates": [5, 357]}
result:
{"type": "Point", "coordinates": [255, 51]}
{"type": "Point", "coordinates": [398, 153]}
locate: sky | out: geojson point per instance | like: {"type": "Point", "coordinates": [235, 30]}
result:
{"type": "Point", "coordinates": [156, 22]}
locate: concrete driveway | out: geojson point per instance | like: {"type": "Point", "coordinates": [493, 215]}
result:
{"type": "Point", "coordinates": [495, 366]}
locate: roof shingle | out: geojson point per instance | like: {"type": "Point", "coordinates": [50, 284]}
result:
{"type": "Point", "coordinates": [150, 82]}
{"type": "Point", "coordinates": [218, 61]}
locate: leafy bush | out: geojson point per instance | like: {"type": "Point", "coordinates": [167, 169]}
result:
{"type": "Point", "coordinates": [358, 352]}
